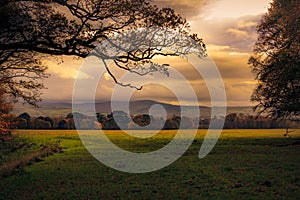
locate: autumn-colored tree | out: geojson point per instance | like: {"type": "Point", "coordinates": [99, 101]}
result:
{"type": "Point", "coordinates": [5, 117]}
{"type": "Point", "coordinates": [276, 60]}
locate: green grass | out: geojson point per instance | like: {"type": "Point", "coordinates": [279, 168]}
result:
{"type": "Point", "coordinates": [245, 164]}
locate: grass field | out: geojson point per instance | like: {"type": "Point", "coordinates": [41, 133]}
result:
{"type": "Point", "coordinates": [245, 164]}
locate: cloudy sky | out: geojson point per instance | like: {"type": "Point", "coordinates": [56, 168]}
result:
{"type": "Point", "coordinates": [228, 29]}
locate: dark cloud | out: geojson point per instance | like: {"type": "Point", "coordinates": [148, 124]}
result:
{"type": "Point", "coordinates": [188, 9]}
{"type": "Point", "coordinates": [236, 33]}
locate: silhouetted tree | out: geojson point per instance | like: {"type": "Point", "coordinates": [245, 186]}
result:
{"type": "Point", "coordinates": [20, 123]}
{"type": "Point", "coordinates": [276, 60]}
{"type": "Point", "coordinates": [101, 117]}
{"type": "Point", "coordinates": [172, 123]}
{"type": "Point", "coordinates": [47, 119]}
{"type": "Point", "coordinates": [67, 123]}
{"type": "Point", "coordinates": [51, 121]}
{"type": "Point", "coordinates": [31, 30]}
{"type": "Point", "coordinates": [116, 120]}
{"type": "Point", "coordinates": [38, 123]}
{"type": "Point", "coordinates": [142, 120]}
{"type": "Point", "coordinates": [66, 27]}
{"type": "Point", "coordinates": [25, 116]}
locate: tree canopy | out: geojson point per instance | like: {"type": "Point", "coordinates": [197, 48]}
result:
{"type": "Point", "coordinates": [32, 28]}
{"type": "Point", "coordinates": [276, 60]}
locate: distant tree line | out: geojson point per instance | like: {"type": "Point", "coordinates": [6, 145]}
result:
{"type": "Point", "coordinates": [246, 121]}
{"type": "Point", "coordinates": [120, 120]}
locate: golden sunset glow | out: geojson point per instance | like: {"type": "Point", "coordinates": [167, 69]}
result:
{"type": "Point", "coordinates": [229, 32]}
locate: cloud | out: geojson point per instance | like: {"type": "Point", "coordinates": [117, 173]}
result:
{"type": "Point", "coordinates": [237, 33]}
{"type": "Point", "coordinates": [238, 53]}
{"type": "Point", "coordinates": [239, 93]}
{"type": "Point", "coordinates": [188, 9]}
{"type": "Point", "coordinates": [247, 24]}
{"type": "Point", "coordinates": [222, 9]}
{"type": "Point", "coordinates": [66, 68]}
{"type": "Point", "coordinates": [231, 63]}
{"type": "Point", "coordinates": [58, 89]}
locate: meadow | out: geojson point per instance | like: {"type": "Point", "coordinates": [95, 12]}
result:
{"type": "Point", "coordinates": [245, 164]}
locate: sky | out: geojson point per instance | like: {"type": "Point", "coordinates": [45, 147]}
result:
{"type": "Point", "coordinates": [228, 28]}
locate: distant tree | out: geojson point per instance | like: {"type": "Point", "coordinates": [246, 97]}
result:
{"type": "Point", "coordinates": [51, 121]}
{"type": "Point", "coordinates": [47, 119]}
{"type": "Point", "coordinates": [142, 120]}
{"type": "Point", "coordinates": [172, 123]}
{"type": "Point", "coordinates": [86, 124]}
{"type": "Point", "coordinates": [115, 121]}
{"type": "Point", "coordinates": [70, 116]}
{"type": "Point", "coordinates": [186, 123]}
{"type": "Point", "coordinates": [62, 124]}
{"type": "Point", "coordinates": [20, 123]}
{"type": "Point", "coordinates": [38, 123]}
{"type": "Point", "coordinates": [230, 120]}
{"type": "Point", "coordinates": [110, 124]}
{"type": "Point", "coordinates": [101, 117]}
{"type": "Point", "coordinates": [276, 60]}
{"type": "Point", "coordinates": [66, 123]}
{"type": "Point", "coordinates": [25, 116]}
{"type": "Point", "coordinates": [203, 123]}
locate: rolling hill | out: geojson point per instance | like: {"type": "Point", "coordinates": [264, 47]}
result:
{"type": "Point", "coordinates": [135, 107]}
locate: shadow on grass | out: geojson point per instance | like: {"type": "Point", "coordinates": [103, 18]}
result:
{"type": "Point", "coordinates": [14, 166]}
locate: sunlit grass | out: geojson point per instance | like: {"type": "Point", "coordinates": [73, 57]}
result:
{"type": "Point", "coordinates": [232, 133]}
{"type": "Point", "coordinates": [247, 164]}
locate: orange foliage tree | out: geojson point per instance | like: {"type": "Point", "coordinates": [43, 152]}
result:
{"type": "Point", "coordinates": [5, 116]}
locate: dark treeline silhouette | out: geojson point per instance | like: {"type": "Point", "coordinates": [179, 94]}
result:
{"type": "Point", "coordinates": [245, 121]}
{"type": "Point", "coordinates": [120, 120]}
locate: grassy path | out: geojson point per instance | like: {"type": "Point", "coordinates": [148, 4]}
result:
{"type": "Point", "coordinates": [245, 164]}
